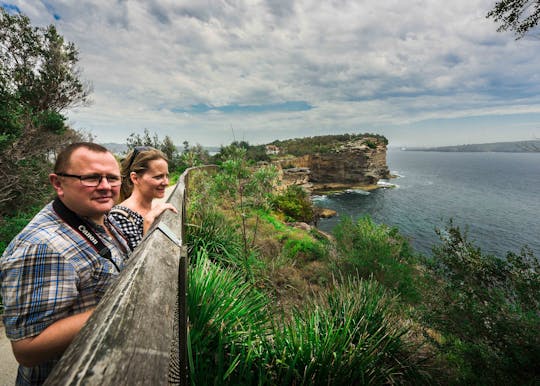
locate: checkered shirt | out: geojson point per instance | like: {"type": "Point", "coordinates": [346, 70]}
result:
{"type": "Point", "coordinates": [49, 272]}
{"type": "Point", "coordinates": [131, 226]}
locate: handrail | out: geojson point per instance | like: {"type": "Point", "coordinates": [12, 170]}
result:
{"type": "Point", "coordinates": [133, 336]}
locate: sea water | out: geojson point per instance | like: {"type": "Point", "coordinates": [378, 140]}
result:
{"type": "Point", "coordinates": [496, 196]}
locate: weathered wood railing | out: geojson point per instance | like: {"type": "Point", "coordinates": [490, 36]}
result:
{"type": "Point", "coordinates": [133, 336]}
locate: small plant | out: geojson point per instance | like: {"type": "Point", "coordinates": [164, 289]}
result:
{"type": "Point", "coordinates": [369, 249]}
{"type": "Point", "coordinates": [348, 337]}
{"type": "Point", "coordinates": [228, 321]}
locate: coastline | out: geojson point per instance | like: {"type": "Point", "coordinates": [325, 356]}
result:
{"type": "Point", "coordinates": [332, 188]}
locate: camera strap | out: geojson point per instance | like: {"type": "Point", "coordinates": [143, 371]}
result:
{"type": "Point", "coordinates": [83, 228]}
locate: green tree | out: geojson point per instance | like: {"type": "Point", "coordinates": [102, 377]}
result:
{"type": "Point", "coordinates": [166, 145]}
{"type": "Point", "coordinates": [519, 16]}
{"type": "Point", "coordinates": [39, 80]}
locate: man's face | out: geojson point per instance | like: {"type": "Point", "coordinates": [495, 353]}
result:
{"type": "Point", "coordinates": [88, 201]}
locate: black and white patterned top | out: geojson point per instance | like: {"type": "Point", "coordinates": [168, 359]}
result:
{"type": "Point", "coordinates": [129, 222]}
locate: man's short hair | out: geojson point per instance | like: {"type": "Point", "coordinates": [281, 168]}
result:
{"type": "Point", "coordinates": [64, 157]}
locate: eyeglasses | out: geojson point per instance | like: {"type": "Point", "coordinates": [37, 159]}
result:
{"type": "Point", "coordinates": [93, 180]}
{"type": "Point", "coordinates": [136, 151]}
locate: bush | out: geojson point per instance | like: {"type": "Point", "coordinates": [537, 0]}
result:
{"type": "Point", "coordinates": [11, 226]}
{"type": "Point", "coordinates": [349, 337]}
{"type": "Point", "coordinates": [369, 249]}
{"type": "Point", "coordinates": [228, 320]}
{"type": "Point", "coordinates": [304, 249]}
{"type": "Point", "coordinates": [487, 308]}
{"type": "Point", "coordinates": [295, 204]}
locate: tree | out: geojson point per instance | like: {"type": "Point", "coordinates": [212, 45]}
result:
{"type": "Point", "coordinates": [39, 79]}
{"type": "Point", "coordinates": [167, 146]}
{"type": "Point", "coordinates": [519, 16]}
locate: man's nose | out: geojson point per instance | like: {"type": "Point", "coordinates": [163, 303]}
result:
{"type": "Point", "coordinates": [104, 183]}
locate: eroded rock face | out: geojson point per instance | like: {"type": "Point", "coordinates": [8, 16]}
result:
{"type": "Point", "coordinates": [355, 163]}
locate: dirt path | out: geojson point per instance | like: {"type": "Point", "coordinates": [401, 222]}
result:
{"type": "Point", "coordinates": [8, 364]}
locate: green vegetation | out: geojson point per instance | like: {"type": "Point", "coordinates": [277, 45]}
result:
{"type": "Point", "coordinates": [295, 204]}
{"type": "Point", "coordinates": [487, 310]}
{"type": "Point", "coordinates": [39, 80]}
{"type": "Point", "coordinates": [362, 308]}
{"type": "Point", "coordinates": [326, 143]}
{"type": "Point", "coordinates": [371, 250]}
{"type": "Point", "coordinates": [178, 162]}
{"type": "Point", "coordinates": [517, 16]}
{"type": "Point", "coordinates": [272, 301]}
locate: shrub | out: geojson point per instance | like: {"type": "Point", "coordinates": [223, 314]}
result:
{"type": "Point", "coordinates": [348, 337]}
{"type": "Point", "coordinates": [11, 226]}
{"type": "Point", "coordinates": [305, 248]}
{"type": "Point", "coordinates": [369, 249]}
{"type": "Point", "coordinates": [295, 204]}
{"type": "Point", "coordinates": [228, 321]}
{"type": "Point", "coordinates": [487, 308]}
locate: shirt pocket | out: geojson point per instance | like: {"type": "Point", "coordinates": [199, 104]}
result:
{"type": "Point", "coordinates": [103, 276]}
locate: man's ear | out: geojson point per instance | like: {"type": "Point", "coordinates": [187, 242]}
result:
{"type": "Point", "coordinates": [56, 184]}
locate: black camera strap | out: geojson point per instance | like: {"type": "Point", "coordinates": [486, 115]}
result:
{"type": "Point", "coordinates": [83, 228]}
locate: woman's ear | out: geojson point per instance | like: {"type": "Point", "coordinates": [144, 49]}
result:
{"type": "Point", "coordinates": [134, 177]}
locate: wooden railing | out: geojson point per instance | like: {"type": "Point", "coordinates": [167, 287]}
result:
{"type": "Point", "coordinates": [138, 332]}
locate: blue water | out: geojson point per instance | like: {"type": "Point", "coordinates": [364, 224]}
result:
{"type": "Point", "coordinates": [497, 195]}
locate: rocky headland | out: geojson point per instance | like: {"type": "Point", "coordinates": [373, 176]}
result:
{"type": "Point", "coordinates": [358, 163]}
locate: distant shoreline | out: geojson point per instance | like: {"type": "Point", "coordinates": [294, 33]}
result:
{"type": "Point", "coordinates": [532, 146]}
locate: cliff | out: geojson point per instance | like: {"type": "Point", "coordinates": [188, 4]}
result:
{"type": "Point", "coordinates": [355, 163]}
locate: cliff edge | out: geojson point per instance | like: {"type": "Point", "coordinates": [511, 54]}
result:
{"type": "Point", "coordinates": [359, 162]}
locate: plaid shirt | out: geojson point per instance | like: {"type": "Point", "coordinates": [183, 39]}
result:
{"type": "Point", "coordinates": [49, 272]}
{"type": "Point", "coordinates": [129, 222]}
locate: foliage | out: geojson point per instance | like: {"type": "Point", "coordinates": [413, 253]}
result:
{"type": "Point", "coordinates": [368, 250]}
{"type": "Point", "coordinates": [326, 143]}
{"type": "Point", "coordinates": [11, 226]}
{"type": "Point", "coordinates": [305, 247]}
{"type": "Point", "coordinates": [38, 68]}
{"type": "Point", "coordinates": [245, 190]}
{"type": "Point", "coordinates": [194, 156]}
{"type": "Point", "coordinates": [295, 204]}
{"type": "Point", "coordinates": [252, 153]}
{"type": "Point", "coordinates": [350, 336]}
{"type": "Point", "coordinates": [228, 321]}
{"type": "Point", "coordinates": [166, 146]}
{"type": "Point", "coordinates": [487, 308]}
{"type": "Point", "coordinates": [39, 79]}
{"type": "Point", "coordinates": [519, 16]}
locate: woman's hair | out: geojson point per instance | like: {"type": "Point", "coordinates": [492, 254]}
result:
{"type": "Point", "coordinates": [137, 160]}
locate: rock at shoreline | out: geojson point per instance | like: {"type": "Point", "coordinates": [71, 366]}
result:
{"type": "Point", "coordinates": [326, 213]}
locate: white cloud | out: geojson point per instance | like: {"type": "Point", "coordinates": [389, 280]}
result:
{"type": "Point", "coordinates": [369, 66]}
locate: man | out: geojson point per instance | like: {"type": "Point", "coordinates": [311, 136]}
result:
{"type": "Point", "coordinates": [56, 270]}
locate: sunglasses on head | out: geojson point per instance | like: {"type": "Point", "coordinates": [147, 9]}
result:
{"type": "Point", "coordinates": [136, 151]}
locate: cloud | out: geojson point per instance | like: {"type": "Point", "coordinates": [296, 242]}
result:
{"type": "Point", "coordinates": [278, 69]}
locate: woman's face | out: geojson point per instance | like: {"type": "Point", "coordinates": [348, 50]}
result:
{"type": "Point", "coordinates": [154, 180]}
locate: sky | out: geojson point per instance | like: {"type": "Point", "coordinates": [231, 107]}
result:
{"type": "Point", "coordinates": [420, 72]}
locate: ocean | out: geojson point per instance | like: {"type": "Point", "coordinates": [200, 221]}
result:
{"type": "Point", "coordinates": [496, 196]}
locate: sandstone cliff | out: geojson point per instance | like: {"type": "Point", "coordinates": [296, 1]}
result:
{"type": "Point", "coordinates": [358, 163]}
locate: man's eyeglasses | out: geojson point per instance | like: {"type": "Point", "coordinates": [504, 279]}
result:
{"type": "Point", "coordinates": [136, 151]}
{"type": "Point", "coordinates": [94, 180]}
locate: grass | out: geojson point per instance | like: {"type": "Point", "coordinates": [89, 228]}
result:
{"type": "Point", "coordinates": [349, 336]}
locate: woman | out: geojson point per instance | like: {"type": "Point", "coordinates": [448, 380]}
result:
{"type": "Point", "coordinates": [145, 176]}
